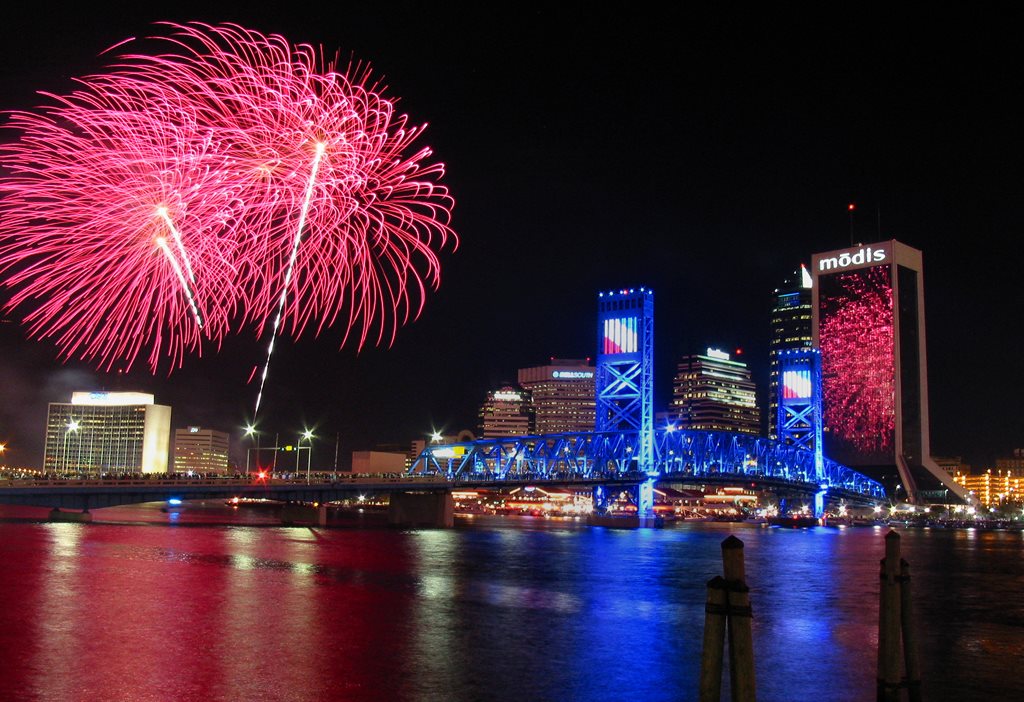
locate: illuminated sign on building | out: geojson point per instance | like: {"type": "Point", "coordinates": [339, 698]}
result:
{"type": "Point", "coordinates": [508, 396]}
{"type": "Point", "coordinates": [111, 399]}
{"type": "Point", "coordinates": [715, 353]}
{"type": "Point", "coordinates": [864, 256]}
{"type": "Point", "coordinates": [572, 375]}
{"type": "Point", "coordinates": [620, 335]}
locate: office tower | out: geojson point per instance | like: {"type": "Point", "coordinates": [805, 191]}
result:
{"type": "Point", "coordinates": [200, 450]}
{"type": "Point", "coordinates": [712, 392]}
{"type": "Point", "coordinates": [869, 325]}
{"type": "Point", "coordinates": [107, 432]}
{"type": "Point", "coordinates": [563, 395]}
{"type": "Point", "coordinates": [791, 329]}
{"type": "Point", "coordinates": [506, 412]}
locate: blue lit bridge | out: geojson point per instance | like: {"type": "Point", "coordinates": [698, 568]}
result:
{"type": "Point", "coordinates": [687, 456]}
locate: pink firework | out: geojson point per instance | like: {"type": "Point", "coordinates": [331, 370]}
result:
{"type": "Point", "coordinates": [288, 194]}
{"type": "Point", "coordinates": [857, 347]}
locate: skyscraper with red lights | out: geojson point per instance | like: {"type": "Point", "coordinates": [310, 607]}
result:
{"type": "Point", "coordinates": [869, 324]}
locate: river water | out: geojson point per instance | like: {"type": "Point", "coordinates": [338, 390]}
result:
{"type": "Point", "coordinates": [143, 605]}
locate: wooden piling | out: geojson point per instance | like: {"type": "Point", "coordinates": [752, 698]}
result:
{"type": "Point", "coordinates": [913, 679]}
{"type": "Point", "coordinates": [714, 641]}
{"type": "Point", "coordinates": [741, 638]}
{"type": "Point", "coordinates": [889, 620]}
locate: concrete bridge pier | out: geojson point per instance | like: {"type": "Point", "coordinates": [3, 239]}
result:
{"type": "Point", "coordinates": [300, 513]}
{"type": "Point", "coordinates": [422, 509]}
{"type": "Point", "coordinates": [83, 517]}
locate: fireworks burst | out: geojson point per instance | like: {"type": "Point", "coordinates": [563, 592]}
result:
{"type": "Point", "coordinates": [230, 181]}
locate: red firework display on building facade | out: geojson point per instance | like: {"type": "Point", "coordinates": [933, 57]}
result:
{"type": "Point", "coordinates": [858, 374]}
{"type": "Point", "coordinates": [231, 181]}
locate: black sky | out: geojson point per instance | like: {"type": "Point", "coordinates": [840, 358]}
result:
{"type": "Point", "coordinates": [704, 153]}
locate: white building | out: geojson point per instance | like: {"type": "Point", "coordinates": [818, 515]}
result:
{"type": "Point", "coordinates": [107, 432]}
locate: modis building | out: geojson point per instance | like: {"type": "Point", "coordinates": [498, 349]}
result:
{"type": "Point", "coordinates": [868, 321]}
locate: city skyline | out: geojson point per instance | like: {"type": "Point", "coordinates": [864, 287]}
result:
{"type": "Point", "coordinates": [701, 155]}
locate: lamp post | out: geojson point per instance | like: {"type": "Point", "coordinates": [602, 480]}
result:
{"type": "Point", "coordinates": [72, 427]}
{"type": "Point", "coordinates": [250, 431]}
{"type": "Point", "coordinates": [307, 435]}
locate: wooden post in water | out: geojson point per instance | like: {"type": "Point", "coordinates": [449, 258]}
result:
{"type": "Point", "coordinates": [714, 641]}
{"type": "Point", "coordinates": [728, 606]}
{"type": "Point", "coordinates": [909, 636]}
{"type": "Point", "coordinates": [741, 638]}
{"type": "Point", "coordinates": [889, 622]}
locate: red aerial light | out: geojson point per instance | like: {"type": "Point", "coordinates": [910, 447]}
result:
{"type": "Point", "coordinates": [851, 207]}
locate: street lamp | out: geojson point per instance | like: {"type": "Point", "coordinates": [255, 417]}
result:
{"type": "Point", "coordinates": [307, 435]}
{"type": "Point", "coordinates": [250, 430]}
{"type": "Point", "coordinates": [72, 427]}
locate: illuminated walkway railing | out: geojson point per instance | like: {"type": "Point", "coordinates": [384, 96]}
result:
{"type": "Point", "coordinates": [588, 455]}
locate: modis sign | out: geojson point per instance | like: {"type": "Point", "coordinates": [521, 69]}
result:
{"type": "Point", "coordinates": [852, 258]}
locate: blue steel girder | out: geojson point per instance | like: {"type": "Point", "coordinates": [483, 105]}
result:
{"type": "Point", "coordinates": [679, 453]}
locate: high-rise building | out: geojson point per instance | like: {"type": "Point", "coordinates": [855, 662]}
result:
{"type": "Point", "coordinates": [791, 329]}
{"type": "Point", "coordinates": [506, 412]}
{"type": "Point", "coordinates": [712, 392]}
{"type": "Point", "coordinates": [107, 432]}
{"type": "Point", "coordinates": [200, 450]}
{"type": "Point", "coordinates": [563, 395]}
{"type": "Point", "coordinates": [869, 325]}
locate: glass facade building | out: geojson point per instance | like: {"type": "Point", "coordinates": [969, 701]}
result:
{"type": "Point", "coordinates": [790, 329]}
{"type": "Point", "coordinates": [869, 325]}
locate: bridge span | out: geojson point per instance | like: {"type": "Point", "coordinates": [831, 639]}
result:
{"type": "Point", "coordinates": [683, 456]}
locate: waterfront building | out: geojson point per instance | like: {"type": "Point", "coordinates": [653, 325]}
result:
{"type": "Point", "coordinates": [790, 329]}
{"type": "Point", "coordinates": [712, 392]}
{"type": "Point", "coordinates": [869, 325]}
{"type": "Point", "coordinates": [378, 462]}
{"type": "Point", "coordinates": [993, 489]}
{"type": "Point", "coordinates": [107, 432]}
{"type": "Point", "coordinates": [200, 450]}
{"type": "Point", "coordinates": [507, 411]}
{"type": "Point", "coordinates": [563, 395]}
{"type": "Point", "coordinates": [1014, 465]}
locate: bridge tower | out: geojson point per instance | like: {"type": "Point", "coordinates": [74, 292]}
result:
{"type": "Point", "coordinates": [625, 377]}
{"type": "Point", "coordinates": [799, 409]}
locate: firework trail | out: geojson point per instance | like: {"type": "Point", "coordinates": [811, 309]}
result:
{"type": "Point", "coordinates": [231, 180]}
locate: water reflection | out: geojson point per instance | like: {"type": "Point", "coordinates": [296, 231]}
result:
{"type": "Point", "coordinates": [493, 611]}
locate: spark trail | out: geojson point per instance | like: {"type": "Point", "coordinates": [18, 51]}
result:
{"type": "Point", "coordinates": [288, 275]}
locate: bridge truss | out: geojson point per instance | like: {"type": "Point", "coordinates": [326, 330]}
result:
{"type": "Point", "coordinates": [678, 455]}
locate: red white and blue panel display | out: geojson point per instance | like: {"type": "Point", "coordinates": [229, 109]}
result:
{"type": "Point", "coordinates": [796, 385]}
{"type": "Point", "coordinates": [620, 335]}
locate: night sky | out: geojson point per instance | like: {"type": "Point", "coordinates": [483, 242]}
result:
{"type": "Point", "coordinates": [592, 146]}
